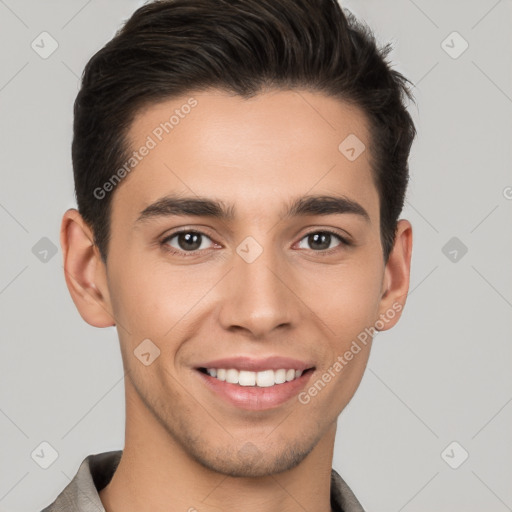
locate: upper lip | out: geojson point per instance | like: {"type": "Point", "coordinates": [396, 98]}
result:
{"type": "Point", "coordinates": [257, 364]}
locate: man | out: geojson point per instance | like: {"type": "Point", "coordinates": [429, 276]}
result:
{"type": "Point", "coordinates": [240, 166]}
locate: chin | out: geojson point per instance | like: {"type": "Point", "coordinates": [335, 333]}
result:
{"type": "Point", "coordinates": [251, 462]}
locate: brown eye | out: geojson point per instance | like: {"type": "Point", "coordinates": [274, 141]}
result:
{"type": "Point", "coordinates": [188, 241]}
{"type": "Point", "coordinates": [322, 240]}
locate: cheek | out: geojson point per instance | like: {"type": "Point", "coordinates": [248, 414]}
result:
{"type": "Point", "coordinates": [151, 298]}
{"type": "Point", "coordinates": [348, 305]}
{"type": "Point", "coordinates": [347, 298]}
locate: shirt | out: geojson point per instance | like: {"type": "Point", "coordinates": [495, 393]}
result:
{"type": "Point", "coordinates": [96, 471]}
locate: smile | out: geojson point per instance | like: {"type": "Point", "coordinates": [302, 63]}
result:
{"type": "Point", "coordinates": [262, 379]}
{"type": "Point", "coordinates": [255, 390]}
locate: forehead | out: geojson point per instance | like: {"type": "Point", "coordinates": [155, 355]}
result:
{"type": "Point", "coordinates": [254, 153]}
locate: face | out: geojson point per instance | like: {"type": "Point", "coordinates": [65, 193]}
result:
{"type": "Point", "coordinates": [246, 245]}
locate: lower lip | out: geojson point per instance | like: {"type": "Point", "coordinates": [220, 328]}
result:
{"type": "Point", "coordinates": [255, 398]}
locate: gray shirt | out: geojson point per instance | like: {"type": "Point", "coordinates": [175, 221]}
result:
{"type": "Point", "coordinates": [96, 471]}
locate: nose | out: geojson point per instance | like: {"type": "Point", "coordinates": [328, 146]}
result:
{"type": "Point", "coordinates": [257, 296]}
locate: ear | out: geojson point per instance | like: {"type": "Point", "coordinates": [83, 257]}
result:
{"type": "Point", "coordinates": [395, 283]}
{"type": "Point", "coordinates": [84, 271]}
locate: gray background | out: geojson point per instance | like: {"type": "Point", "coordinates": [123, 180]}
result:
{"type": "Point", "coordinates": [441, 375]}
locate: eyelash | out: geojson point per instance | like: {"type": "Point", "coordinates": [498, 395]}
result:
{"type": "Point", "coordinates": [185, 254]}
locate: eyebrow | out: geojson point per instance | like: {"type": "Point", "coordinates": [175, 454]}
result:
{"type": "Point", "coordinates": [206, 207]}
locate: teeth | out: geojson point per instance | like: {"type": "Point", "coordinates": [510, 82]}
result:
{"type": "Point", "coordinates": [246, 378]}
{"type": "Point", "coordinates": [232, 376]}
{"type": "Point", "coordinates": [280, 376]}
{"type": "Point", "coordinates": [263, 379]}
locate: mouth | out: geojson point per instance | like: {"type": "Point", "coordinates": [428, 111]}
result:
{"type": "Point", "coordinates": [262, 379]}
{"type": "Point", "coordinates": [255, 386]}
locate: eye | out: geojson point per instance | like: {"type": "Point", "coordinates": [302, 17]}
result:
{"type": "Point", "coordinates": [185, 241]}
{"type": "Point", "coordinates": [322, 240]}
{"type": "Point", "coordinates": [189, 242]}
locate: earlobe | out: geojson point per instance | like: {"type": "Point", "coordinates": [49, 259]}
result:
{"type": "Point", "coordinates": [84, 271]}
{"type": "Point", "coordinates": [396, 276]}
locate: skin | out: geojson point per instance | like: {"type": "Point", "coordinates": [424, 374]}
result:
{"type": "Point", "coordinates": [184, 446]}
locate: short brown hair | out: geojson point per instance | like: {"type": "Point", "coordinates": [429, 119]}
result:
{"type": "Point", "coordinates": [170, 47]}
